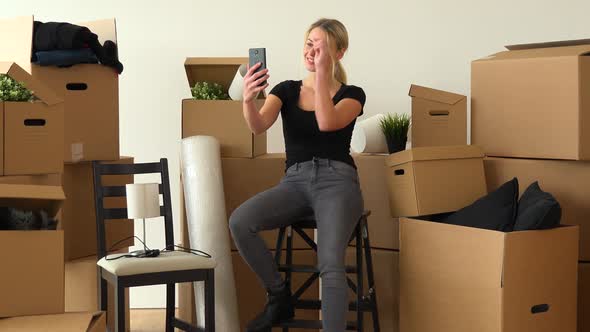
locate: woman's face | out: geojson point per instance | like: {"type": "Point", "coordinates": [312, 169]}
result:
{"type": "Point", "coordinates": [315, 36]}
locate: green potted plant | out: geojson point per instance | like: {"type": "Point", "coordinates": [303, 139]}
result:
{"type": "Point", "coordinates": [395, 128]}
{"type": "Point", "coordinates": [208, 91]}
{"type": "Point", "coordinates": [11, 90]}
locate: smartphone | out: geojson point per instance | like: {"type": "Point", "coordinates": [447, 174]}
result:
{"type": "Point", "coordinates": [257, 55]}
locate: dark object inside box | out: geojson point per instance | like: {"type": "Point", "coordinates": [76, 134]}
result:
{"type": "Point", "coordinates": [22, 220]}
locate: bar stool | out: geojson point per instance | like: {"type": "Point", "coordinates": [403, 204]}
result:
{"type": "Point", "coordinates": [366, 298]}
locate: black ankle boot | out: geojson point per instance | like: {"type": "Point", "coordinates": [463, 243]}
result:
{"type": "Point", "coordinates": [278, 308]}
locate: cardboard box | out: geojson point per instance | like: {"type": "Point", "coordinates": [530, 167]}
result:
{"type": "Point", "coordinates": [243, 178]}
{"type": "Point", "coordinates": [71, 322]}
{"type": "Point", "coordinates": [81, 290]}
{"type": "Point", "coordinates": [383, 229]}
{"type": "Point", "coordinates": [386, 275]}
{"type": "Point", "coordinates": [439, 118]}
{"type": "Point", "coordinates": [434, 180]}
{"type": "Point", "coordinates": [537, 97]}
{"type": "Point", "coordinates": [90, 91]}
{"type": "Point", "coordinates": [563, 179]}
{"type": "Point", "coordinates": [222, 119]}
{"type": "Point", "coordinates": [455, 278]}
{"type": "Point", "coordinates": [31, 132]}
{"type": "Point", "coordinates": [40, 180]}
{"type": "Point", "coordinates": [583, 296]}
{"type": "Point", "coordinates": [32, 281]}
{"type": "Point", "coordinates": [251, 295]}
{"type": "Point", "coordinates": [78, 215]}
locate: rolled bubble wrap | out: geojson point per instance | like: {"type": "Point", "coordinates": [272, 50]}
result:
{"type": "Point", "coordinates": [208, 226]}
{"type": "Point", "coordinates": [367, 136]}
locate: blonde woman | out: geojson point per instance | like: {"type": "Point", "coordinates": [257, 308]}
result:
{"type": "Point", "coordinates": [319, 114]}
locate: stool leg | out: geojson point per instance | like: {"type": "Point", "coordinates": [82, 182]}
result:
{"type": "Point", "coordinates": [170, 306]}
{"type": "Point", "coordinates": [359, 268]}
{"type": "Point", "coordinates": [210, 301]}
{"type": "Point", "coordinates": [370, 277]}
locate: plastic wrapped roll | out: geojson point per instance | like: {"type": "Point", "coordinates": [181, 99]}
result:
{"type": "Point", "coordinates": [208, 226]}
{"type": "Point", "coordinates": [236, 87]}
{"type": "Point", "coordinates": [367, 136]}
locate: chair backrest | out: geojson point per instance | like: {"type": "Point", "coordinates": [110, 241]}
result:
{"type": "Point", "coordinates": [101, 192]}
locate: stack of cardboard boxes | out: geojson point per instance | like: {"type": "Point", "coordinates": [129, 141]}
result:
{"type": "Point", "coordinates": [531, 115]}
{"type": "Point", "coordinates": [81, 125]}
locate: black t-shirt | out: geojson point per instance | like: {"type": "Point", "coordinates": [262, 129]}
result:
{"type": "Point", "coordinates": [303, 138]}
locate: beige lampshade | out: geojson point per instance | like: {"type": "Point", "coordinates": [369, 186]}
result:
{"type": "Point", "coordinates": [143, 200]}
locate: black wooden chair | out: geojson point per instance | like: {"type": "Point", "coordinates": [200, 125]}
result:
{"type": "Point", "coordinates": [170, 267]}
{"type": "Point", "coordinates": [366, 297]}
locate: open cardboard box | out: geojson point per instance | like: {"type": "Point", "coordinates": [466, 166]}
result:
{"type": "Point", "coordinates": [532, 101]}
{"type": "Point", "coordinates": [31, 133]}
{"type": "Point", "coordinates": [222, 119]}
{"type": "Point", "coordinates": [90, 91]}
{"type": "Point", "coordinates": [431, 180]}
{"type": "Point", "coordinates": [460, 279]}
{"type": "Point", "coordinates": [438, 117]}
{"type": "Point", "coordinates": [70, 322]}
{"type": "Point", "coordinates": [78, 214]}
{"type": "Point", "coordinates": [32, 281]}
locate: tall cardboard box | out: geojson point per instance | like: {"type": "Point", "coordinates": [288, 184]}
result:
{"type": "Point", "coordinates": [565, 180]}
{"type": "Point", "coordinates": [31, 133]}
{"type": "Point", "coordinates": [32, 278]}
{"type": "Point", "coordinates": [81, 290]}
{"type": "Point", "coordinates": [432, 180]}
{"type": "Point", "coordinates": [439, 117]}
{"type": "Point", "coordinates": [70, 322]}
{"type": "Point", "coordinates": [251, 295]}
{"type": "Point", "coordinates": [78, 215]}
{"type": "Point", "coordinates": [222, 119]}
{"type": "Point", "coordinates": [383, 229]}
{"type": "Point", "coordinates": [455, 278]}
{"type": "Point", "coordinates": [532, 101]}
{"type": "Point", "coordinates": [386, 275]}
{"type": "Point", "coordinates": [584, 297]}
{"type": "Point", "coordinates": [90, 91]}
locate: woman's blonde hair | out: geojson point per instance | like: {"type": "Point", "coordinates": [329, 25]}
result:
{"type": "Point", "coordinates": [335, 33]}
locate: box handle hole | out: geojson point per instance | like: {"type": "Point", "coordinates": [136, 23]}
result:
{"type": "Point", "coordinates": [438, 113]}
{"type": "Point", "coordinates": [399, 172]}
{"type": "Point", "coordinates": [77, 86]}
{"type": "Point", "coordinates": [35, 122]}
{"type": "Point", "coordinates": [539, 308]}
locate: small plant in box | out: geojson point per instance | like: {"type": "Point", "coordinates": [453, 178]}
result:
{"type": "Point", "coordinates": [208, 91]}
{"type": "Point", "coordinates": [395, 128]}
{"type": "Point", "coordinates": [11, 90]}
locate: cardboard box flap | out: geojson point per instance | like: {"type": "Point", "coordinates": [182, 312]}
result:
{"type": "Point", "coordinates": [218, 70]}
{"type": "Point", "coordinates": [549, 52]}
{"type": "Point", "coordinates": [34, 197]}
{"type": "Point", "coordinates": [105, 29]}
{"type": "Point", "coordinates": [16, 35]}
{"type": "Point", "coordinates": [435, 153]}
{"type": "Point", "coordinates": [559, 43]}
{"type": "Point", "coordinates": [69, 322]}
{"type": "Point", "coordinates": [435, 95]}
{"type": "Point", "coordinates": [39, 90]}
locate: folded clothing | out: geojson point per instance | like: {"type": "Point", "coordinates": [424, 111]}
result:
{"type": "Point", "coordinates": [22, 220]}
{"type": "Point", "coordinates": [537, 210]}
{"type": "Point", "coordinates": [65, 58]}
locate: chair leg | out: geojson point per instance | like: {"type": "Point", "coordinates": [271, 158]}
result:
{"type": "Point", "coordinates": [102, 292]}
{"type": "Point", "coordinates": [210, 301]}
{"type": "Point", "coordinates": [119, 308]}
{"type": "Point", "coordinates": [170, 306]}
{"type": "Point", "coordinates": [360, 288]}
{"type": "Point", "coordinates": [371, 278]}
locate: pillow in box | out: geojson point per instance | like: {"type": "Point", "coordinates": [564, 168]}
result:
{"type": "Point", "coordinates": [496, 211]}
{"type": "Point", "coordinates": [537, 210]}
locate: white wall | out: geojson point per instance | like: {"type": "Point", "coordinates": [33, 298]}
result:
{"type": "Point", "coordinates": [392, 44]}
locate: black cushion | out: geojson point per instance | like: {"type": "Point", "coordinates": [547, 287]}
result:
{"type": "Point", "coordinates": [496, 211]}
{"type": "Point", "coordinates": [537, 210]}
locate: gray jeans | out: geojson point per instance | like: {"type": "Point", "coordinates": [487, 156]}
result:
{"type": "Point", "coordinates": [330, 191]}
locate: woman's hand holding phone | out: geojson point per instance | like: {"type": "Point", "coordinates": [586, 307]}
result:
{"type": "Point", "coordinates": [253, 81]}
